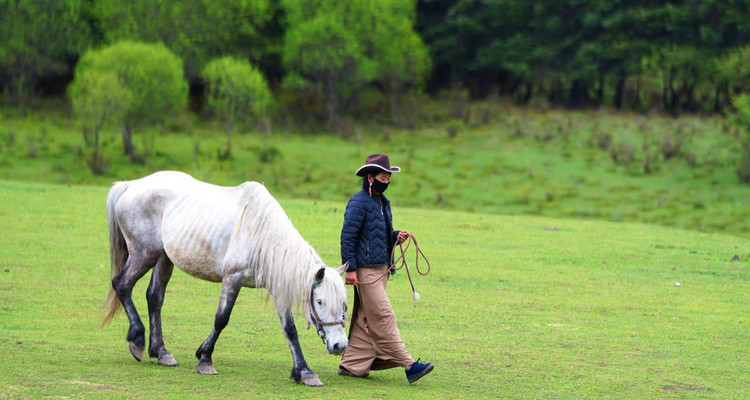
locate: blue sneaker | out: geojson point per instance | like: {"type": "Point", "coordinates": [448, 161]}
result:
{"type": "Point", "coordinates": [418, 370]}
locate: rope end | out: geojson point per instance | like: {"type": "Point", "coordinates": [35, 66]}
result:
{"type": "Point", "coordinates": [415, 296]}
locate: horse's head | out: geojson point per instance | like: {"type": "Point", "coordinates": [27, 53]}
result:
{"type": "Point", "coordinates": [327, 308]}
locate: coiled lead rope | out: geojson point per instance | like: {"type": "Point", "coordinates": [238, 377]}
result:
{"type": "Point", "coordinates": [402, 259]}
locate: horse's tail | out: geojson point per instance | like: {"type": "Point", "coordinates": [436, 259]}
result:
{"type": "Point", "coordinates": [118, 250]}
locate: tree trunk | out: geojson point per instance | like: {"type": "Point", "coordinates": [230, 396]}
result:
{"type": "Point", "coordinates": [330, 97]}
{"type": "Point", "coordinates": [578, 94]}
{"type": "Point", "coordinates": [228, 151]}
{"type": "Point", "coordinates": [393, 96]}
{"type": "Point", "coordinates": [529, 92]}
{"type": "Point", "coordinates": [127, 143]}
{"type": "Point", "coordinates": [619, 90]}
{"type": "Point", "coordinates": [717, 98]}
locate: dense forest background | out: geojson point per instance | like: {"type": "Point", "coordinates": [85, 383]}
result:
{"type": "Point", "coordinates": [673, 56]}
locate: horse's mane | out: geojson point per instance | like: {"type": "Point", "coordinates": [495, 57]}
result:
{"type": "Point", "coordinates": [284, 263]}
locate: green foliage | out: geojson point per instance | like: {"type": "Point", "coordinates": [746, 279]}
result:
{"type": "Point", "coordinates": [741, 118]}
{"type": "Point", "coordinates": [98, 99]}
{"type": "Point", "coordinates": [38, 39]}
{"type": "Point", "coordinates": [338, 48]}
{"type": "Point", "coordinates": [678, 70]}
{"type": "Point", "coordinates": [584, 53]}
{"type": "Point", "coordinates": [453, 126]}
{"type": "Point", "coordinates": [151, 73]}
{"type": "Point", "coordinates": [236, 92]}
{"type": "Point", "coordinates": [325, 53]}
{"type": "Point", "coordinates": [733, 69]}
{"type": "Point", "coordinates": [195, 30]}
{"type": "Point", "coordinates": [403, 60]}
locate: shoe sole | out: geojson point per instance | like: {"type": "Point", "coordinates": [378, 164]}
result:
{"type": "Point", "coordinates": [426, 371]}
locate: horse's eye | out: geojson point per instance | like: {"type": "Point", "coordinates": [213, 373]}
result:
{"type": "Point", "coordinates": [320, 301]}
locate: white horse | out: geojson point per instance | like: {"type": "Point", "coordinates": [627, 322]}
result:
{"type": "Point", "coordinates": [239, 236]}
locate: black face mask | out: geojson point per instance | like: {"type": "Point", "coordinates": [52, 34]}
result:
{"type": "Point", "coordinates": [378, 186]}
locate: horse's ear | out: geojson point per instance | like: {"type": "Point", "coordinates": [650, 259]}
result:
{"type": "Point", "coordinates": [342, 269]}
{"type": "Point", "coordinates": [320, 274]}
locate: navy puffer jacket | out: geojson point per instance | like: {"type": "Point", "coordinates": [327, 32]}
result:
{"type": "Point", "coordinates": [367, 236]}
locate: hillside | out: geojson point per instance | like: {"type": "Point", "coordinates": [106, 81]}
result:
{"type": "Point", "coordinates": [503, 160]}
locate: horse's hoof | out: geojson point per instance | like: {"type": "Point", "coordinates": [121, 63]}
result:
{"type": "Point", "coordinates": [136, 351]}
{"type": "Point", "coordinates": [312, 380]}
{"type": "Point", "coordinates": [168, 360]}
{"type": "Point", "coordinates": [206, 369]}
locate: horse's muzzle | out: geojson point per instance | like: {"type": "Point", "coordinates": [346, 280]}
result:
{"type": "Point", "coordinates": [337, 348]}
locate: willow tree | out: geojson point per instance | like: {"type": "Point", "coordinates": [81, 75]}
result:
{"type": "Point", "coordinates": [237, 93]}
{"type": "Point", "coordinates": [154, 77]}
{"type": "Point", "coordinates": [98, 100]}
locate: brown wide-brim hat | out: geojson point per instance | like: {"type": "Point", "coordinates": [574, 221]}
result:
{"type": "Point", "coordinates": [377, 162]}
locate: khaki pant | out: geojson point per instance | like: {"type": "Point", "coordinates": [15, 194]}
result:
{"type": "Point", "coordinates": [374, 340]}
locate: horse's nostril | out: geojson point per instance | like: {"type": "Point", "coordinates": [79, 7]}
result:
{"type": "Point", "coordinates": [336, 348]}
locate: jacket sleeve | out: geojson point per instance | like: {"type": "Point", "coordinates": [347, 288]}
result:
{"type": "Point", "coordinates": [354, 218]}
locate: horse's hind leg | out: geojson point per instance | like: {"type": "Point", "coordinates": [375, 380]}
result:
{"type": "Point", "coordinates": [135, 267]}
{"type": "Point", "coordinates": [155, 295]}
{"type": "Point", "coordinates": [230, 288]}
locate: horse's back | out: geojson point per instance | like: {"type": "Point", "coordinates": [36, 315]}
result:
{"type": "Point", "coordinates": [192, 221]}
{"type": "Point", "coordinates": [162, 190]}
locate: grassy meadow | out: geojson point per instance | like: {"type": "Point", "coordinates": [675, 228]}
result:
{"type": "Point", "coordinates": [515, 307]}
{"type": "Point", "coordinates": [557, 240]}
{"type": "Point", "coordinates": [677, 172]}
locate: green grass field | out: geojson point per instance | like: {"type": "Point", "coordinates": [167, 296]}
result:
{"type": "Point", "coordinates": [516, 307]}
{"type": "Point", "coordinates": [583, 165]}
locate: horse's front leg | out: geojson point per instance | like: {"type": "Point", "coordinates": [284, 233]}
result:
{"type": "Point", "coordinates": [230, 288]}
{"type": "Point", "coordinates": [155, 295]}
{"type": "Point", "coordinates": [300, 372]}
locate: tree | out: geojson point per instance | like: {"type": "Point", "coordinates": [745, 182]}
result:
{"type": "Point", "coordinates": [236, 92]}
{"type": "Point", "coordinates": [322, 53]}
{"type": "Point", "coordinates": [578, 52]}
{"type": "Point", "coordinates": [195, 30]}
{"type": "Point", "coordinates": [402, 61]}
{"type": "Point", "coordinates": [679, 69]}
{"type": "Point", "coordinates": [732, 73]}
{"type": "Point", "coordinates": [38, 38]}
{"type": "Point", "coordinates": [98, 99]}
{"type": "Point", "coordinates": [154, 77]}
{"type": "Point", "coordinates": [338, 48]}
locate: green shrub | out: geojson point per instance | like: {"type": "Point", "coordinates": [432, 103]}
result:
{"type": "Point", "coordinates": [453, 126]}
